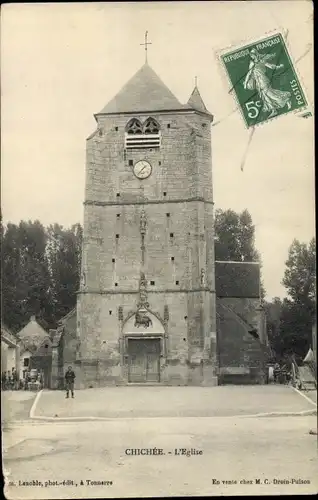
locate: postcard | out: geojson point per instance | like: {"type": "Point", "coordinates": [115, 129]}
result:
{"type": "Point", "coordinates": [158, 329]}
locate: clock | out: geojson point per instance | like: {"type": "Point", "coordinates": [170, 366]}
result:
{"type": "Point", "coordinates": [142, 169]}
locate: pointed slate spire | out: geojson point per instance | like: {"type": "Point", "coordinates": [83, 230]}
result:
{"type": "Point", "coordinates": [196, 102]}
{"type": "Point", "coordinates": [145, 91]}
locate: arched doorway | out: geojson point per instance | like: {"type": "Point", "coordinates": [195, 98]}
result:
{"type": "Point", "coordinates": [144, 336]}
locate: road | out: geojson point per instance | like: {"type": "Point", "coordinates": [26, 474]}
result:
{"type": "Point", "coordinates": [236, 451]}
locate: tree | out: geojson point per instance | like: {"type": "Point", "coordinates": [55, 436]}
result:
{"type": "Point", "coordinates": [300, 274]}
{"type": "Point", "coordinates": [273, 311]}
{"type": "Point", "coordinates": [290, 334]}
{"type": "Point", "coordinates": [64, 257]}
{"type": "Point", "coordinates": [40, 272]}
{"type": "Point", "coordinates": [25, 274]}
{"type": "Point", "coordinates": [235, 236]}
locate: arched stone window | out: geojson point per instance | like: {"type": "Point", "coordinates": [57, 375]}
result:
{"type": "Point", "coordinates": [151, 126]}
{"type": "Point", "coordinates": [134, 127]}
{"type": "Point", "coordinates": [142, 136]}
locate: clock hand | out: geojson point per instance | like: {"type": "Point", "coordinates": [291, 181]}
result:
{"type": "Point", "coordinates": [143, 168]}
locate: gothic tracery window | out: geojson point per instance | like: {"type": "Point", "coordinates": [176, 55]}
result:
{"type": "Point", "coordinates": [144, 135]}
{"type": "Point", "coordinates": [151, 127]}
{"type": "Point", "coordinates": [134, 127]}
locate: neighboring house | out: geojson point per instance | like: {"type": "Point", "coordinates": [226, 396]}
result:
{"type": "Point", "coordinates": [42, 360]}
{"type": "Point", "coordinates": [33, 332]}
{"type": "Point", "coordinates": [36, 350]}
{"type": "Point", "coordinates": [9, 350]}
{"type": "Point", "coordinates": [26, 352]}
{"type": "Point", "coordinates": [242, 342]}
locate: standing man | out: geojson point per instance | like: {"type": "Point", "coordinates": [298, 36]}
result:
{"type": "Point", "coordinates": [15, 379]}
{"type": "Point", "coordinates": [69, 381]}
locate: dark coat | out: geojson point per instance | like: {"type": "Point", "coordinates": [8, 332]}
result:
{"type": "Point", "coordinates": [69, 376]}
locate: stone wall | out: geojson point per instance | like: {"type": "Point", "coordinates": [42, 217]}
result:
{"type": "Point", "coordinates": [179, 247]}
{"type": "Point", "coordinates": [187, 331]}
{"type": "Point", "coordinates": [241, 356]}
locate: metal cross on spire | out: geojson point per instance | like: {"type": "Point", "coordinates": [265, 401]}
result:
{"type": "Point", "coordinates": [196, 81]}
{"type": "Point", "coordinates": [146, 45]}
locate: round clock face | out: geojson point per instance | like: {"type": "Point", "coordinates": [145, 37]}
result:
{"type": "Point", "coordinates": [142, 169]}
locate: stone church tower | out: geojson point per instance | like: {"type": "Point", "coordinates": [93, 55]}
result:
{"type": "Point", "coordinates": [146, 305]}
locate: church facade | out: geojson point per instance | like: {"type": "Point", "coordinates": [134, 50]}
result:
{"type": "Point", "coordinates": [153, 306]}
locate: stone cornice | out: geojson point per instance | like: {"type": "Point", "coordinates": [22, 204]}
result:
{"type": "Point", "coordinates": [136, 292]}
{"type": "Point", "coordinates": [156, 112]}
{"type": "Point", "coordinates": [146, 202]}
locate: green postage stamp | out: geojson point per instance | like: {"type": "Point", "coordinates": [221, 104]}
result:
{"type": "Point", "coordinates": [264, 80]}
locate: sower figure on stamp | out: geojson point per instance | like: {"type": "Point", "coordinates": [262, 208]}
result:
{"type": "Point", "coordinates": [69, 381]}
{"type": "Point", "coordinates": [272, 99]}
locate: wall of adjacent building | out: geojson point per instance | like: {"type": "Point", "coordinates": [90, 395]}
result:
{"type": "Point", "coordinates": [241, 356]}
{"type": "Point", "coordinates": [8, 357]}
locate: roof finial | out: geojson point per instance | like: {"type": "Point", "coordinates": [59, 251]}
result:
{"type": "Point", "coordinates": [146, 44]}
{"type": "Point", "coordinates": [195, 81]}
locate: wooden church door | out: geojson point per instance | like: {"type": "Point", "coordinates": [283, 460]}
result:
{"type": "Point", "coordinates": [143, 360]}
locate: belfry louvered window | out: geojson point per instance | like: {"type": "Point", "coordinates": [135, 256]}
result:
{"type": "Point", "coordinates": [142, 136]}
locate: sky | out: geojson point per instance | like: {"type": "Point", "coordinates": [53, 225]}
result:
{"type": "Point", "coordinates": [61, 63]}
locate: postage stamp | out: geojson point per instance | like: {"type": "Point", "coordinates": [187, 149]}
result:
{"type": "Point", "coordinates": [264, 80]}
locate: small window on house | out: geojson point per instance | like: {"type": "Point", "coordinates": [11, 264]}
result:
{"type": "Point", "coordinates": [168, 126]}
{"type": "Point", "coordinates": [117, 236]}
{"type": "Point", "coordinates": [110, 313]}
{"type": "Point", "coordinates": [26, 361]}
{"type": "Point", "coordinates": [117, 194]}
{"type": "Point", "coordinates": [116, 129]}
{"type": "Point", "coordinates": [130, 162]}
{"type": "Point", "coordinates": [168, 215]}
{"type": "Point", "coordinates": [116, 284]}
{"type": "Point", "coordinates": [186, 317]}
{"type": "Point", "coordinates": [171, 235]}
{"type": "Point", "coordinates": [177, 282]}
{"type": "Point", "coordinates": [118, 216]}
{"type": "Point", "coordinates": [152, 282]}
{"type": "Point", "coordinates": [159, 163]}
{"type": "Point", "coordinates": [172, 258]}
{"type": "Point", "coordinates": [113, 260]}
{"type": "Point", "coordinates": [46, 346]}
{"type": "Point", "coordinates": [165, 193]}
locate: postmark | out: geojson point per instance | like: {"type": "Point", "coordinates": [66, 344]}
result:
{"type": "Point", "coordinates": [263, 79]}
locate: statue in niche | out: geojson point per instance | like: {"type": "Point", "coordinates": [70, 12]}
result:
{"type": "Point", "coordinates": [143, 296]}
{"type": "Point", "coordinates": [143, 222]}
{"type": "Point", "coordinates": [202, 277]}
{"type": "Point", "coordinates": [141, 318]}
